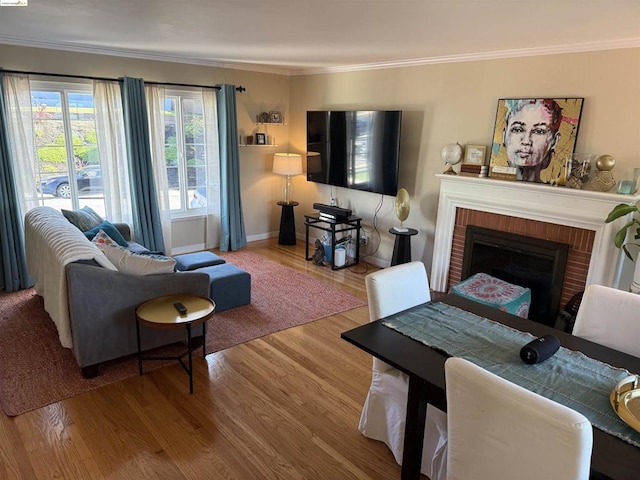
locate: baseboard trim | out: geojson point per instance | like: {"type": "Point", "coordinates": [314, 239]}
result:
{"type": "Point", "coordinates": [376, 262]}
{"type": "Point", "coordinates": [187, 249]}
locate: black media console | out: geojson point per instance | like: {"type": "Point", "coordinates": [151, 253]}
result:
{"type": "Point", "coordinates": [334, 224]}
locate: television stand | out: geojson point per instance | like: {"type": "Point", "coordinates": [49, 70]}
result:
{"type": "Point", "coordinates": [348, 224]}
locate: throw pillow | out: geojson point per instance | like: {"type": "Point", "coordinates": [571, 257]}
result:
{"type": "Point", "coordinates": [104, 240]}
{"type": "Point", "coordinates": [110, 229]}
{"type": "Point", "coordinates": [128, 262]}
{"type": "Point", "coordinates": [85, 218]}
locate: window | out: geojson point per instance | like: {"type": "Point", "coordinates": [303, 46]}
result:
{"type": "Point", "coordinates": [66, 146]}
{"type": "Point", "coordinates": [185, 151]}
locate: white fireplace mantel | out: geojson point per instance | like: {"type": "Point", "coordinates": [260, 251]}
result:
{"type": "Point", "coordinates": [559, 205]}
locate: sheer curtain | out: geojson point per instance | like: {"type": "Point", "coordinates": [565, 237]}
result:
{"type": "Point", "coordinates": [18, 192]}
{"type": "Point", "coordinates": [112, 150]}
{"type": "Point", "coordinates": [212, 148]}
{"type": "Point", "coordinates": [17, 95]}
{"type": "Point", "coordinates": [155, 106]}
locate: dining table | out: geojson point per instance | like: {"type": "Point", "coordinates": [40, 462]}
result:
{"type": "Point", "coordinates": [612, 456]}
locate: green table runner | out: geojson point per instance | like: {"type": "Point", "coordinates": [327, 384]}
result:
{"type": "Point", "coordinates": [569, 378]}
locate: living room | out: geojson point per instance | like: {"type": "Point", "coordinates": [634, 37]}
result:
{"type": "Point", "coordinates": [442, 103]}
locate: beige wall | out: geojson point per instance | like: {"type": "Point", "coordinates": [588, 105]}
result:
{"type": "Point", "coordinates": [457, 102]}
{"type": "Point", "coordinates": [265, 92]}
{"type": "Point", "coordinates": [442, 103]}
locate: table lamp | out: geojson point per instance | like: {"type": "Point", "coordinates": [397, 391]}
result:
{"type": "Point", "coordinates": [287, 164]}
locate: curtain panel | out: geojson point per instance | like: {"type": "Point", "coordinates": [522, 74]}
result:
{"type": "Point", "coordinates": [147, 223]}
{"type": "Point", "coordinates": [17, 181]}
{"type": "Point", "coordinates": [212, 148]}
{"type": "Point", "coordinates": [107, 97]}
{"type": "Point", "coordinates": [232, 230]}
{"type": "Point", "coordinates": [155, 106]}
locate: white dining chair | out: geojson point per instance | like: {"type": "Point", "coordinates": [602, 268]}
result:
{"type": "Point", "coordinates": [610, 317]}
{"type": "Point", "coordinates": [390, 291]}
{"type": "Point", "coordinates": [499, 430]}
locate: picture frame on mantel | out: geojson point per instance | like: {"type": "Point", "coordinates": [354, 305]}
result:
{"type": "Point", "coordinates": [474, 154]}
{"type": "Point", "coordinates": [533, 137]}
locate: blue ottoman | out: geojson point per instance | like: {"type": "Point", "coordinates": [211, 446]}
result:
{"type": "Point", "coordinates": [193, 261]}
{"type": "Point", "coordinates": [230, 286]}
{"type": "Point", "coordinates": [494, 292]}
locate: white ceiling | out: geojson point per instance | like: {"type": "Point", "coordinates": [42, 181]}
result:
{"type": "Point", "coordinates": [298, 36]}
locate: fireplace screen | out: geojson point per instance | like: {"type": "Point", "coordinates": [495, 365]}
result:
{"type": "Point", "coordinates": [526, 261]}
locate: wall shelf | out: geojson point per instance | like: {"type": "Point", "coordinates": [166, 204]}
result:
{"type": "Point", "coordinates": [278, 124]}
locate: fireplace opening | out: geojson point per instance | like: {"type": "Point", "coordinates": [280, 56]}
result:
{"type": "Point", "coordinates": [530, 262]}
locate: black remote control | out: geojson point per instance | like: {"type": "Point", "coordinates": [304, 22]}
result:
{"type": "Point", "coordinates": [181, 308]}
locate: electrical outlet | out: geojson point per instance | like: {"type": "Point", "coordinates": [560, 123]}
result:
{"type": "Point", "coordinates": [363, 239]}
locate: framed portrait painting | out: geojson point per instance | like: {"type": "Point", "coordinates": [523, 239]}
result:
{"type": "Point", "coordinates": [533, 137]}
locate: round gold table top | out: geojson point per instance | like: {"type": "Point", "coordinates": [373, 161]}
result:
{"type": "Point", "coordinates": [160, 311]}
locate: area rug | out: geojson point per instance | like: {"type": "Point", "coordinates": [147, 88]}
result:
{"type": "Point", "coordinates": [35, 370]}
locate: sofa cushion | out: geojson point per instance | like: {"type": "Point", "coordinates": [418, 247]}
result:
{"type": "Point", "coordinates": [85, 218]}
{"type": "Point", "coordinates": [110, 229]}
{"type": "Point", "coordinates": [193, 261]}
{"type": "Point", "coordinates": [128, 262]}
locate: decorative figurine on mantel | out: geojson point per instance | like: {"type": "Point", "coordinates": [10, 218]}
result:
{"type": "Point", "coordinates": [579, 166]}
{"type": "Point", "coordinates": [603, 180]}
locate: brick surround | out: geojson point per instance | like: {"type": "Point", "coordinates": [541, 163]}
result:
{"type": "Point", "coordinates": [580, 244]}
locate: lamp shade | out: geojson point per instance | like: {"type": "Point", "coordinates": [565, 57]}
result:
{"type": "Point", "coordinates": [287, 163]}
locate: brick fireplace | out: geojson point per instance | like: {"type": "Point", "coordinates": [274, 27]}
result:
{"type": "Point", "coordinates": [575, 217]}
{"type": "Point", "coordinates": [580, 243]}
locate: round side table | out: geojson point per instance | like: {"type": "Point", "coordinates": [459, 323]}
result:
{"type": "Point", "coordinates": [402, 245]}
{"type": "Point", "coordinates": [287, 224]}
{"type": "Point", "coordinates": [161, 313]}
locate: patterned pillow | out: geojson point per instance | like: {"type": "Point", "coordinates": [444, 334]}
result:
{"type": "Point", "coordinates": [103, 240]}
{"type": "Point", "coordinates": [128, 262]}
{"type": "Point", "coordinates": [85, 218]}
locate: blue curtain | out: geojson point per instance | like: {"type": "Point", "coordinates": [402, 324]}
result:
{"type": "Point", "coordinates": [13, 260]}
{"type": "Point", "coordinates": [147, 224]}
{"type": "Point", "coordinates": [232, 232]}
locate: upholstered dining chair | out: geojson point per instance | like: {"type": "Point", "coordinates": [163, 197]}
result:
{"type": "Point", "coordinates": [497, 429]}
{"type": "Point", "coordinates": [610, 317]}
{"type": "Point", "coordinates": [390, 291]}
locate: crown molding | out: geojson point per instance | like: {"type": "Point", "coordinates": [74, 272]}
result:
{"type": "Point", "coordinates": [116, 52]}
{"type": "Point", "coordinates": [295, 71]}
{"type": "Point", "coordinates": [471, 57]}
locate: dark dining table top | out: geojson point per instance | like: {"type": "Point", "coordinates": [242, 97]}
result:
{"type": "Point", "coordinates": [612, 456]}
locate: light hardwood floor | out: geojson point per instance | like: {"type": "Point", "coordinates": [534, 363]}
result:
{"type": "Point", "coordinates": [285, 406]}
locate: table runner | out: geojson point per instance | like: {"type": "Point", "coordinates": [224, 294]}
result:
{"type": "Point", "coordinates": [569, 378]}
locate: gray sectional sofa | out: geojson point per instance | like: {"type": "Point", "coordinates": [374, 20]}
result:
{"type": "Point", "coordinates": [92, 304]}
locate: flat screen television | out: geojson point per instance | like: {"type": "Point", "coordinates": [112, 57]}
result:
{"type": "Point", "coordinates": [354, 149]}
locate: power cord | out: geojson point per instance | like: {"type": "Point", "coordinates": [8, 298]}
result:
{"type": "Point", "coordinates": [374, 232]}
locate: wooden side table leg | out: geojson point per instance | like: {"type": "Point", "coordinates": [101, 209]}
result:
{"type": "Point", "coordinates": [204, 339]}
{"type": "Point", "coordinates": [189, 345]}
{"type": "Point", "coordinates": [139, 348]}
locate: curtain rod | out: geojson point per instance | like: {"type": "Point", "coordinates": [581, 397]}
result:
{"type": "Point", "coordinates": [240, 88]}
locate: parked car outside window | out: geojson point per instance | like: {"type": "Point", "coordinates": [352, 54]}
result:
{"type": "Point", "coordinates": [88, 180]}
